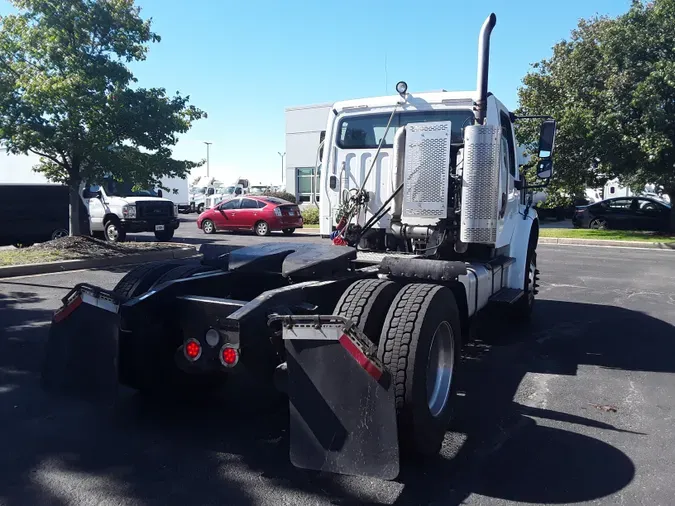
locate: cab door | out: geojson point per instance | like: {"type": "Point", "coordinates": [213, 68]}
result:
{"type": "Point", "coordinates": [95, 207]}
{"type": "Point", "coordinates": [509, 195]}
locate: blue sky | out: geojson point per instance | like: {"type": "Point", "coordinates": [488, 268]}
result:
{"type": "Point", "coordinates": [243, 62]}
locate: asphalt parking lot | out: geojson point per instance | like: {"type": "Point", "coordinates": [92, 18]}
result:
{"type": "Point", "coordinates": [575, 408]}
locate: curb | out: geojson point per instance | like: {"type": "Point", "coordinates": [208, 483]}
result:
{"type": "Point", "coordinates": [607, 243]}
{"type": "Point", "coordinates": [94, 263]}
{"type": "Point", "coordinates": [307, 231]}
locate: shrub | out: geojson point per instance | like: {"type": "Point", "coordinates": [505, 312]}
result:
{"type": "Point", "coordinates": [310, 215]}
{"type": "Point", "coordinates": [281, 195]}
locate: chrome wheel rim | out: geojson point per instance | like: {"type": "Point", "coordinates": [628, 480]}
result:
{"type": "Point", "coordinates": [208, 227]}
{"type": "Point", "coordinates": [599, 224]}
{"type": "Point", "coordinates": [262, 228]}
{"type": "Point", "coordinates": [113, 233]}
{"type": "Point", "coordinates": [440, 368]}
{"type": "Point", "coordinates": [58, 234]}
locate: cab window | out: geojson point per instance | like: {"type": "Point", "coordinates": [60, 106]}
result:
{"type": "Point", "coordinates": [507, 142]}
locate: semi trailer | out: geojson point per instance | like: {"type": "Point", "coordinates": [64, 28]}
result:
{"type": "Point", "coordinates": [432, 225]}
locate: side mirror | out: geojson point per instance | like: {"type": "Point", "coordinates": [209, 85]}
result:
{"type": "Point", "coordinates": [159, 193]}
{"type": "Point", "coordinates": [545, 169]}
{"type": "Point", "coordinates": [547, 139]}
{"type": "Point", "coordinates": [333, 182]}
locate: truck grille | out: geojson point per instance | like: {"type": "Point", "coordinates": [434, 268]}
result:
{"type": "Point", "coordinates": [150, 210]}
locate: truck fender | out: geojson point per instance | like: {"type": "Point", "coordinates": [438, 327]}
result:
{"type": "Point", "coordinates": [526, 230]}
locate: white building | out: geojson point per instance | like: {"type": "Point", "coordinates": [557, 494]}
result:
{"type": "Point", "coordinates": [19, 169]}
{"type": "Point", "coordinates": [305, 127]}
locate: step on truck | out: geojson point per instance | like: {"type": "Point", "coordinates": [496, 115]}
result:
{"type": "Point", "coordinates": [432, 225]}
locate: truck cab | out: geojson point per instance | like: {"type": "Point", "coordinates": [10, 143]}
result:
{"type": "Point", "coordinates": [117, 208]}
{"type": "Point", "coordinates": [355, 130]}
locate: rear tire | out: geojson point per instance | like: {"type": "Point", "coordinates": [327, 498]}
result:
{"type": "Point", "coordinates": [598, 224]}
{"type": "Point", "coordinates": [365, 302]}
{"type": "Point", "coordinates": [420, 345]}
{"type": "Point", "coordinates": [181, 272]}
{"type": "Point", "coordinates": [262, 228]}
{"type": "Point", "coordinates": [59, 233]}
{"type": "Point", "coordinates": [288, 231]}
{"type": "Point", "coordinates": [139, 280]}
{"type": "Point", "coordinates": [523, 308]}
{"type": "Point", "coordinates": [200, 208]}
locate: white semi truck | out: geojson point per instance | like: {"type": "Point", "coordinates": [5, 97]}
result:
{"type": "Point", "coordinates": [433, 225]}
{"type": "Point", "coordinates": [204, 196]}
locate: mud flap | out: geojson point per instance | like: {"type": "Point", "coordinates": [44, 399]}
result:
{"type": "Point", "coordinates": [342, 411]}
{"type": "Point", "coordinates": [82, 349]}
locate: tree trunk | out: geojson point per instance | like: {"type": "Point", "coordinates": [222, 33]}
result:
{"type": "Point", "coordinates": [74, 209]}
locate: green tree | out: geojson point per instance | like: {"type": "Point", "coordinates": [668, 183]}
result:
{"type": "Point", "coordinates": [67, 95]}
{"type": "Point", "coordinates": [611, 87]}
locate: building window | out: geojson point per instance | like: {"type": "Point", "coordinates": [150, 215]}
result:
{"type": "Point", "coordinates": [304, 187]}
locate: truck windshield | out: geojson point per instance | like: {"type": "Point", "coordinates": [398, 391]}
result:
{"type": "Point", "coordinates": [366, 131]}
{"type": "Point", "coordinates": [121, 189]}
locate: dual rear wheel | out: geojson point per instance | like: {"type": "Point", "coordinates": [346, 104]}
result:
{"type": "Point", "coordinates": [417, 330]}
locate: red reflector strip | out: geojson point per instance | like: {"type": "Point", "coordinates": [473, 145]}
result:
{"type": "Point", "coordinates": [360, 357]}
{"type": "Point", "coordinates": [65, 311]}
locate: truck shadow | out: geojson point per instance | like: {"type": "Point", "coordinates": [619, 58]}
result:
{"type": "Point", "coordinates": [511, 451]}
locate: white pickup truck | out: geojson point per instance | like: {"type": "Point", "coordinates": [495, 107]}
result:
{"type": "Point", "coordinates": [116, 209]}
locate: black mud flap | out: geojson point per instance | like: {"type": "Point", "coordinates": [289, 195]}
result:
{"type": "Point", "coordinates": [342, 412]}
{"type": "Point", "coordinates": [82, 350]}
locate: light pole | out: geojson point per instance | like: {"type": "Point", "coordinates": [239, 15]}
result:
{"type": "Point", "coordinates": [207, 157]}
{"type": "Point", "coordinates": [282, 165]}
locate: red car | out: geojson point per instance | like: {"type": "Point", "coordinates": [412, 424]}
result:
{"type": "Point", "coordinates": [260, 214]}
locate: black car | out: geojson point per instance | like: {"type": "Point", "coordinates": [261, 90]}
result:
{"type": "Point", "coordinates": [624, 213]}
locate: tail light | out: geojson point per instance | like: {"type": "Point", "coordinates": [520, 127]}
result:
{"type": "Point", "coordinates": [229, 356]}
{"type": "Point", "coordinates": [192, 350]}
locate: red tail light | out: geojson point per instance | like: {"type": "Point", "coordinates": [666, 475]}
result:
{"type": "Point", "coordinates": [192, 350]}
{"type": "Point", "coordinates": [229, 356]}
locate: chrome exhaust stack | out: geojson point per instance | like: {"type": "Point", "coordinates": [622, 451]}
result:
{"type": "Point", "coordinates": [480, 110]}
{"type": "Point", "coordinates": [479, 208]}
